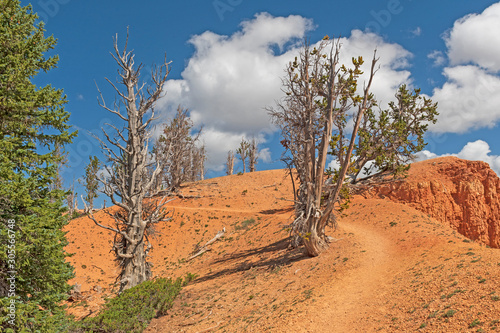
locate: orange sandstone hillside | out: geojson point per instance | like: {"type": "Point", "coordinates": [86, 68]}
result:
{"type": "Point", "coordinates": [464, 194]}
{"type": "Point", "coordinates": [396, 265]}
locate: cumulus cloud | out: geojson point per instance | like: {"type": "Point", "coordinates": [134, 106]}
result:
{"type": "Point", "coordinates": [229, 80]}
{"type": "Point", "coordinates": [265, 155]}
{"type": "Point", "coordinates": [475, 39]}
{"type": "Point", "coordinates": [475, 151]}
{"type": "Point", "coordinates": [438, 57]}
{"type": "Point", "coordinates": [470, 97]}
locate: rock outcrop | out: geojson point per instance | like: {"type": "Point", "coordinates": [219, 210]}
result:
{"type": "Point", "coordinates": [464, 194]}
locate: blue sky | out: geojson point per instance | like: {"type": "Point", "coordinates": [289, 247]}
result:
{"type": "Point", "coordinates": [227, 57]}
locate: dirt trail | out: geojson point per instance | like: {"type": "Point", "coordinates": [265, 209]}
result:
{"type": "Point", "coordinates": [360, 294]}
{"type": "Point", "coordinates": [215, 209]}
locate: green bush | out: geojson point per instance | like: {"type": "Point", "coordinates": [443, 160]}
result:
{"type": "Point", "coordinates": [245, 224]}
{"type": "Point", "coordinates": [31, 317]}
{"type": "Point", "coordinates": [133, 309]}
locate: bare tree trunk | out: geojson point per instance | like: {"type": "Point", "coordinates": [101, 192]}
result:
{"type": "Point", "coordinates": [230, 163]}
{"type": "Point", "coordinates": [243, 152]}
{"type": "Point", "coordinates": [252, 155]}
{"type": "Point", "coordinates": [133, 180]}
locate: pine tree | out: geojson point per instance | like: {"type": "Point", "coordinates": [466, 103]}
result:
{"type": "Point", "coordinates": [33, 128]}
{"type": "Point", "coordinates": [90, 181]}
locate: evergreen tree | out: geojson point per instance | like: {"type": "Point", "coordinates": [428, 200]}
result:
{"type": "Point", "coordinates": [91, 181]}
{"type": "Point", "coordinates": [33, 128]}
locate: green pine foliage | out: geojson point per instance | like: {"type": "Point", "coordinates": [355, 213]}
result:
{"type": "Point", "coordinates": [390, 138]}
{"type": "Point", "coordinates": [33, 123]}
{"type": "Point", "coordinates": [134, 308]}
{"type": "Point", "coordinates": [90, 181]}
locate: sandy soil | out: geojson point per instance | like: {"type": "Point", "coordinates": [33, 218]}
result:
{"type": "Point", "coordinates": [391, 268]}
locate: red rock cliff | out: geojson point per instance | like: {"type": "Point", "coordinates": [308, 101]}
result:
{"type": "Point", "coordinates": [464, 194]}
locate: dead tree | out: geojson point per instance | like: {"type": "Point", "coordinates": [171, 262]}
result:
{"type": "Point", "coordinates": [319, 93]}
{"type": "Point", "coordinates": [252, 155]}
{"type": "Point", "coordinates": [72, 200]}
{"type": "Point", "coordinates": [199, 163]}
{"type": "Point", "coordinates": [128, 184]}
{"type": "Point", "coordinates": [230, 163]}
{"type": "Point", "coordinates": [243, 152]}
{"type": "Point", "coordinates": [185, 160]}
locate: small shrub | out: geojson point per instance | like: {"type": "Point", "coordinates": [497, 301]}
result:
{"type": "Point", "coordinates": [133, 309]}
{"type": "Point", "coordinates": [475, 323]}
{"type": "Point", "coordinates": [449, 313]}
{"type": "Point", "coordinates": [245, 224]}
{"type": "Point", "coordinates": [189, 277]}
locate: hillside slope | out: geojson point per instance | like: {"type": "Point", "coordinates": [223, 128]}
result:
{"type": "Point", "coordinates": [463, 194]}
{"type": "Point", "coordinates": [392, 268]}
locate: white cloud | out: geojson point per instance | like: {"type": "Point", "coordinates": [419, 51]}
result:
{"type": "Point", "coordinates": [438, 57]}
{"type": "Point", "coordinates": [416, 32]}
{"type": "Point", "coordinates": [475, 151]}
{"type": "Point", "coordinates": [475, 39]}
{"type": "Point", "coordinates": [470, 99]}
{"type": "Point", "coordinates": [265, 155]}
{"type": "Point", "coordinates": [229, 80]}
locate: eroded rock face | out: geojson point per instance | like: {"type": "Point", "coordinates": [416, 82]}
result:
{"type": "Point", "coordinates": [464, 194]}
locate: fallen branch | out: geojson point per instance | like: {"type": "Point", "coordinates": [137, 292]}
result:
{"type": "Point", "coordinates": [205, 248]}
{"type": "Point", "coordinates": [199, 253]}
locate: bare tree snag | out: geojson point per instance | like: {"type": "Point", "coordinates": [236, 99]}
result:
{"type": "Point", "coordinates": [129, 184]}
{"type": "Point", "coordinates": [243, 152]}
{"type": "Point", "coordinates": [252, 154]}
{"type": "Point", "coordinates": [184, 158]}
{"type": "Point", "coordinates": [230, 163]}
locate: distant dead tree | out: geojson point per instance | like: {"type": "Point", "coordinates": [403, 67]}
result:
{"type": "Point", "coordinates": [128, 183]}
{"type": "Point", "coordinates": [72, 200]}
{"type": "Point", "coordinates": [230, 163]}
{"type": "Point", "coordinates": [184, 158]}
{"type": "Point", "coordinates": [243, 152]}
{"type": "Point", "coordinates": [198, 163]}
{"type": "Point", "coordinates": [252, 154]}
{"type": "Point", "coordinates": [319, 94]}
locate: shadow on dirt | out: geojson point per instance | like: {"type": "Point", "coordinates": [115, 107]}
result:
{"type": "Point", "coordinates": [277, 211]}
{"type": "Point", "coordinates": [279, 254]}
